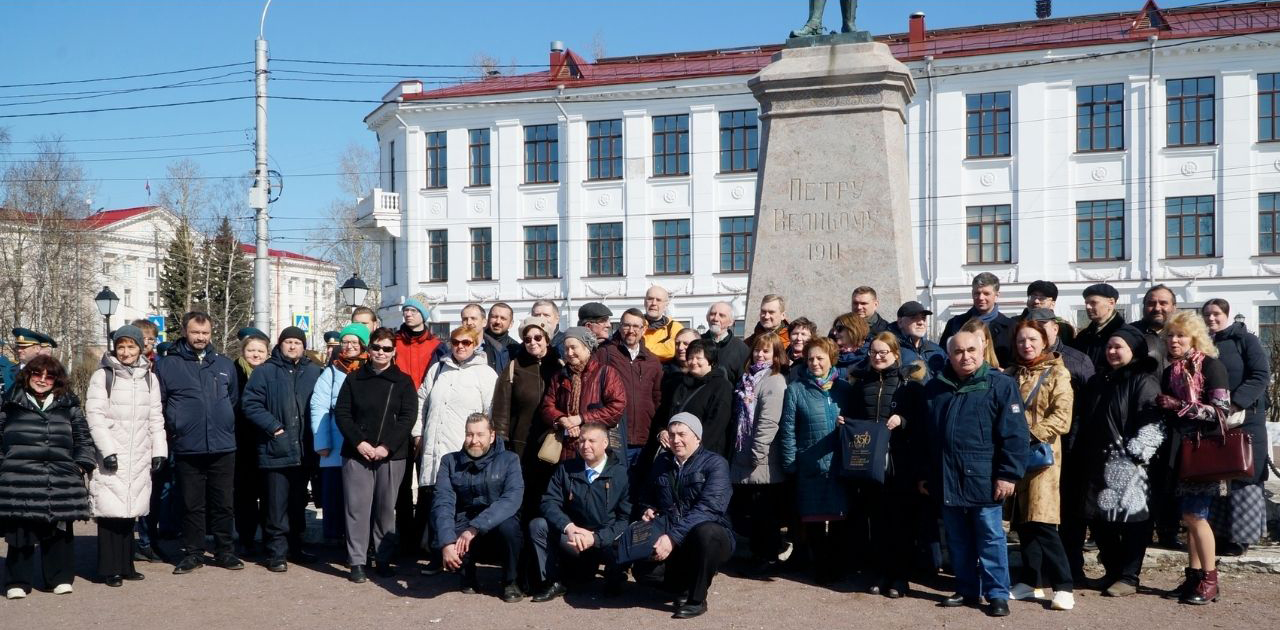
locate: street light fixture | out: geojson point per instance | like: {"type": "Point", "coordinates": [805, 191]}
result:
{"type": "Point", "coordinates": [107, 303]}
{"type": "Point", "coordinates": [354, 290]}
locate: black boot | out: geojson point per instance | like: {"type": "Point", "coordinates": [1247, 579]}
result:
{"type": "Point", "coordinates": [1190, 580]}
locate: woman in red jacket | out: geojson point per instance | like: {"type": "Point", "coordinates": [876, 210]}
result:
{"type": "Point", "coordinates": [586, 391]}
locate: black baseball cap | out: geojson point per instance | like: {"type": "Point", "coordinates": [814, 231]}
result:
{"type": "Point", "coordinates": [913, 308]}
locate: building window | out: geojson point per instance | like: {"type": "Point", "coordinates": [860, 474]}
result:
{"type": "Point", "coordinates": [106, 269]}
{"type": "Point", "coordinates": [151, 300]}
{"type": "Point", "coordinates": [739, 141]}
{"type": "Point", "coordinates": [1189, 106]}
{"type": "Point", "coordinates": [1189, 223]}
{"type": "Point", "coordinates": [393, 262]}
{"type": "Point", "coordinates": [987, 121]}
{"type": "Point", "coordinates": [736, 240]}
{"type": "Point", "coordinates": [1268, 107]}
{"type": "Point", "coordinates": [604, 249]}
{"type": "Point", "coordinates": [671, 145]}
{"type": "Point", "coordinates": [309, 288]}
{"type": "Point", "coordinates": [541, 251]}
{"type": "Point", "coordinates": [439, 329]}
{"type": "Point", "coordinates": [437, 255]}
{"type": "Point", "coordinates": [391, 165]}
{"type": "Point", "coordinates": [1100, 117]}
{"type": "Point", "coordinates": [989, 234]}
{"type": "Point", "coordinates": [671, 246]}
{"type": "Point", "coordinates": [1269, 327]}
{"type": "Point", "coordinates": [128, 271]}
{"type": "Point", "coordinates": [1269, 223]}
{"type": "Point", "coordinates": [151, 272]}
{"type": "Point", "coordinates": [293, 286]}
{"type": "Point", "coordinates": [479, 150]}
{"type": "Point", "coordinates": [541, 154]}
{"type": "Point", "coordinates": [1100, 230]}
{"type": "Point", "coordinates": [128, 297]}
{"type": "Point", "coordinates": [437, 160]}
{"type": "Point", "coordinates": [482, 253]}
{"type": "Point", "coordinates": [604, 149]}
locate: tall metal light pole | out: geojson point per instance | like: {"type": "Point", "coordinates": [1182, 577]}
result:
{"type": "Point", "coordinates": [258, 197]}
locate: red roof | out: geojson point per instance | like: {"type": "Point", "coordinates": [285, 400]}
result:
{"type": "Point", "coordinates": [107, 217]}
{"type": "Point", "coordinates": [1089, 30]}
{"type": "Point", "coordinates": [280, 253]}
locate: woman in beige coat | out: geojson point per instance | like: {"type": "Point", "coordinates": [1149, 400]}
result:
{"type": "Point", "coordinates": [1045, 386]}
{"type": "Point", "coordinates": [127, 423]}
{"type": "Point", "coordinates": [757, 461]}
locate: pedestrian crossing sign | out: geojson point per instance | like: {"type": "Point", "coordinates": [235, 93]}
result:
{"type": "Point", "coordinates": [303, 321]}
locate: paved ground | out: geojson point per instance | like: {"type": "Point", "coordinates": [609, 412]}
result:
{"type": "Point", "coordinates": [320, 597]}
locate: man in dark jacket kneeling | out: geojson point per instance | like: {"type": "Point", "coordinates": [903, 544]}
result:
{"type": "Point", "coordinates": [478, 494]}
{"type": "Point", "coordinates": [978, 443]}
{"type": "Point", "coordinates": [689, 489]}
{"type": "Point", "coordinates": [587, 504]}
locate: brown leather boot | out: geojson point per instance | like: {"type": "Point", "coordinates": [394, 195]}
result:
{"type": "Point", "coordinates": [1206, 591]}
{"type": "Point", "coordinates": [1188, 586]}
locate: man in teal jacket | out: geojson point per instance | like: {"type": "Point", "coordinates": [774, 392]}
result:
{"type": "Point", "coordinates": [978, 443]}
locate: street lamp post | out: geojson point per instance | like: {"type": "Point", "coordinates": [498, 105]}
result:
{"type": "Point", "coordinates": [354, 291]}
{"type": "Point", "coordinates": [107, 303]}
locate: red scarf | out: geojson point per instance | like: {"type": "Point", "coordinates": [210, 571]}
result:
{"type": "Point", "coordinates": [347, 366]}
{"type": "Point", "coordinates": [1186, 377]}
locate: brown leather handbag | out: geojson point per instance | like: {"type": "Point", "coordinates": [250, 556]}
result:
{"type": "Point", "coordinates": [1216, 457]}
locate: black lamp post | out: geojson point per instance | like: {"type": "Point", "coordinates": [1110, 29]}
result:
{"type": "Point", "coordinates": [354, 291]}
{"type": "Point", "coordinates": [107, 303]}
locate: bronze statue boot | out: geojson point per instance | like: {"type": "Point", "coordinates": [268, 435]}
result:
{"type": "Point", "coordinates": [810, 29]}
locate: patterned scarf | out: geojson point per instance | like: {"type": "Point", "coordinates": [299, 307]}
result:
{"type": "Point", "coordinates": [1187, 378]}
{"type": "Point", "coordinates": [826, 382]}
{"type": "Point", "coordinates": [745, 401]}
{"type": "Point", "coordinates": [575, 387]}
{"type": "Point", "coordinates": [347, 366]}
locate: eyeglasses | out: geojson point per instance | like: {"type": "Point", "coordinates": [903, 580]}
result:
{"type": "Point", "coordinates": [535, 338]}
{"type": "Point", "coordinates": [881, 353]}
{"type": "Point", "coordinates": [377, 348]}
{"type": "Point", "coordinates": [462, 342]}
{"type": "Point", "coordinates": [41, 376]}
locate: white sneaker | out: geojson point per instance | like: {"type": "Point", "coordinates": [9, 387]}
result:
{"type": "Point", "coordinates": [15, 593]}
{"type": "Point", "coordinates": [1063, 600]}
{"type": "Point", "coordinates": [1022, 591]}
{"type": "Point", "coordinates": [62, 589]}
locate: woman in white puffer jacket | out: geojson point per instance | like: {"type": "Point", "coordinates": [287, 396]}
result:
{"type": "Point", "coordinates": [454, 387]}
{"type": "Point", "coordinates": [126, 419]}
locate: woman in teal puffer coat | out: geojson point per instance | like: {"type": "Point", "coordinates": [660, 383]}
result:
{"type": "Point", "coordinates": [811, 412]}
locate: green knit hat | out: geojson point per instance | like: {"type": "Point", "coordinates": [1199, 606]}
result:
{"type": "Point", "coordinates": [357, 329]}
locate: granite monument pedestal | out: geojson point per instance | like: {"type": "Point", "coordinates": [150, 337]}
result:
{"type": "Point", "coordinates": [832, 210]}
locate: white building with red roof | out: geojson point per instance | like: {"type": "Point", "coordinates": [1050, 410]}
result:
{"type": "Point", "coordinates": [134, 242]}
{"type": "Point", "coordinates": [1136, 148]}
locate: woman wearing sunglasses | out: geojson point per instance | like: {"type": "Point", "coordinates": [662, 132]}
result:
{"type": "Point", "coordinates": [455, 387]}
{"type": "Point", "coordinates": [375, 412]}
{"type": "Point", "coordinates": [45, 452]}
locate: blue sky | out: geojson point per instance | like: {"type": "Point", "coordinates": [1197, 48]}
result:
{"type": "Point", "coordinates": [51, 40]}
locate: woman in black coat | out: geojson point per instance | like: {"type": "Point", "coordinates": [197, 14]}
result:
{"type": "Point", "coordinates": [883, 516]}
{"type": "Point", "coordinates": [377, 406]}
{"type": "Point", "coordinates": [1121, 429]}
{"type": "Point", "coordinates": [1239, 519]}
{"type": "Point", "coordinates": [45, 453]}
{"type": "Point", "coordinates": [705, 392]}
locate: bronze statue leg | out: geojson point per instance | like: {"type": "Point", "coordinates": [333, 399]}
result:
{"type": "Point", "coordinates": [849, 12]}
{"type": "Point", "coordinates": [813, 27]}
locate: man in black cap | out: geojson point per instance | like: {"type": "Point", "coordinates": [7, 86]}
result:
{"type": "Point", "coordinates": [1044, 294]}
{"type": "Point", "coordinates": [911, 328]}
{"type": "Point", "coordinates": [595, 316]}
{"type": "Point", "coordinates": [1158, 305]}
{"type": "Point", "coordinates": [986, 307]}
{"type": "Point", "coordinates": [276, 400]}
{"type": "Point", "coordinates": [198, 386]}
{"type": "Point", "coordinates": [1100, 305]}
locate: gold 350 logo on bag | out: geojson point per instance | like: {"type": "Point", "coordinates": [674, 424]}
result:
{"type": "Point", "coordinates": [861, 440]}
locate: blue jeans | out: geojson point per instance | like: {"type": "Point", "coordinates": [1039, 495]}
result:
{"type": "Point", "coordinates": [979, 551]}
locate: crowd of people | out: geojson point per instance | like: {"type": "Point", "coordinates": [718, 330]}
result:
{"type": "Point", "coordinates": [641, 446]}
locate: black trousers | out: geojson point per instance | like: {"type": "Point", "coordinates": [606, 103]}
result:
{"type": "Point", "coordinates": [757, 513]}
{"type": "Point", "coordinates": [250, 511]}
{"type": "Point", "coordinates": [697, 559]}
{"type": "Point", "coordinates": [57, 556]}
{"type": "Point", "coordinates": [115, 546]}
{"type": "Point", "coordinates": [882, 529]}
{"type": "Point", "coordinates": [1121, 548]}
{"type": "Point", "coordinates": [206, 483]}
{"type": "Point", "coordinates": [501, 544]}
{"type": "Point", "coordinates": [286, 503]}
{"type": "Point", "coordinates": [1044, 560]}
{"type": "Point", "coordinates": [1073, 529]}
{"type": "Point", "coordinates": [410, 526]}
